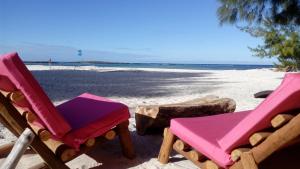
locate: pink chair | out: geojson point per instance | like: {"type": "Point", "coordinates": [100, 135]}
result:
{"type": "Point", "coordinates": [64, 131]}
{"type": "Point", "coordinates": [225, 141]}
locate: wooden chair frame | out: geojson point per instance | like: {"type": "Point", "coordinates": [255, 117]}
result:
{"type": "Point", "coordinates": [54, 153]}
{"type": "Point", "coordinates": [285, 131]}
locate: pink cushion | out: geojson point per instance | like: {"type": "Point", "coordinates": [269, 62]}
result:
{"type": "Point", "coordinates": [6, 84]}
{"type": "Point", "coordinates": [12, 67]}
{"type": "Point", "coordinates": [202, 133]}
{"type": "Point", "coordinates": [91, 116]}
{"type": "Point", "coordinates": [284, 98]}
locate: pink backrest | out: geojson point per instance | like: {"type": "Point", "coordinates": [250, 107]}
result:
{"type": "Point", "coordinates": [286, 97]}
{"type": "Point", "coordinates": [12, 67]}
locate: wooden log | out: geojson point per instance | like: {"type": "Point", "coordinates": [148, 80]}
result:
{"type": "Point", "coordinates": [110, 135]}
{"type": "Point", "coordinates": [16, 96]}
{"type": "Point", "coordinates": [195, 155]}
{"type": "Point", "coordinates": [67, 154]}
{"type": "Point", "coordinates": [18, 150]}
{"type": "Point", "coordinates": [236, 154]}
{"type": "Point", "coordinates": [125, 140]}
{"type": "Point", "coordinates": [208, 164]}
{"type": "Point", "coordinates": [248, 161]}
{"type": "Point", "coordinates": [61, 150]}
{"type": "Point", "coordinates": [180, 145]}
{"type": "Point", "coordinates": [166, 147]}
{"type": "Point", "coordinates": [6, 148]}
{"type": "Point", "coordinates": [237, 165]}
{"type": "Point", "coordinates": [278, 139]}
{"type": "Point", "coordinates": [280, 120]}
{"type": "Point", "coordinates": [90, 142]}
{"type": "Point", "coordinates": [43, 133]}
{"type": "Point", "coordinates": [257, 138]}
{"type": "Point", "coordinates": [30, 116]}
{"type": "Point", "coordinates": [157, 117]}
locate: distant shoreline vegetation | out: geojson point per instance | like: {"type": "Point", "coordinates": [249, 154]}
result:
{"type": "Point", "coordinates": [154, 65]}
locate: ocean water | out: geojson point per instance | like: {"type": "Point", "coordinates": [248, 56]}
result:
{"type": "Point", "coordinates": [160, 65]}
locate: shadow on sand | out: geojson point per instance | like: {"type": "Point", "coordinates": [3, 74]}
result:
{"type": "Point", "coordinates": [66, 84]}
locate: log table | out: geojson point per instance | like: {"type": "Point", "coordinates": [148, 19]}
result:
{"type": "Point", "coordinates": [154, 118]}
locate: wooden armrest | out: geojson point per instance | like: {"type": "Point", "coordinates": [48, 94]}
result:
{"type": "Point", "coordinates": [263, 94]}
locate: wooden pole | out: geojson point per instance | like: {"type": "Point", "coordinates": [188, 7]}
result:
{"type": "Point", "coordinates": [166, 146]}
{"type": "Point", "coordinates": [248, 161]}
{"type": "Point", "coordinates": [180, 145]}
{"type": "Point", "coordinates": [16, 96]}
{"type": "Point", "coordinates": [125, 140]}
{"type": "Point", "coordinates": [18, 150]}
{"type": "Point", "coordinates": [195, 155]}
{"type": "Point", "coordinates": [280, 120]}
{"type": "Point", "coordinates": [110, 135]}
{"type": "Point", "coordinates": [208, 164]}
{"type": "Point", "coordinates": [236, 154]}
{"type": "Point", "coordinates": [257, 138]}
{"type": "Point", "coordinates": [90, 142]}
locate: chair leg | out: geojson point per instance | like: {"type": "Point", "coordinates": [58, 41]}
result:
{"type": "Point", "coordinates": [248, 161]}
{"type": "Point", "coordinates": [125, 140]}
{"type": "Point", "coordinates": [166, 146]}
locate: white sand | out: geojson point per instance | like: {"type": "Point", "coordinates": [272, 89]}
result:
{"type": "Point", "coordinates": [137, 86]}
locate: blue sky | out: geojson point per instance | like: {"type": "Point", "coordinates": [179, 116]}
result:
{"type": "Point", "coordinates": [174, 31]}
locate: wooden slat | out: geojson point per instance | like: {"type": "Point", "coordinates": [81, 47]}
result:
{"type": "Point", "coordinates": [236, 154]}
{"type": "Point", "coordinates": [90, 142]}
{"type": "Point", "coordinates": [180, 145]}
{"type": "Point", "coordinates": [257, 138]}
{"type": "Point", "coordinates": [16, 96]}
{"type": "Point", "coordinates": [208, 164]}
{"type": "Point", "coordinates": [60, 149]}
{"type": "Point", "coordinates": [43, 134]}
{"type": "Point", "coordinates": [195, 155]}
{"type": "Point", "coordinates": [280, 120]}
{"type": "Point", "coordinates": [248, 161]}
{"type": "Point", "coordinates": [278, 139]}
{"type": "Point", "coordinates": [30, 116]}
{"type": "Point", "coordinates": [110, 135]}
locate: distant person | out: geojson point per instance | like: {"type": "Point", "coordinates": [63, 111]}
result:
{"type": "Point", "coordinates": [50, 63]}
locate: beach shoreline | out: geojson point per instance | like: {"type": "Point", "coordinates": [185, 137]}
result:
{"type": "Point", "coordinates": [146, 86]}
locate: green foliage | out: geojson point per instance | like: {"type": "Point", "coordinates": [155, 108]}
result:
{"type": "Point", "coordinates": [277, 22]}
{"type": "Point", "coordinates": [282, 42]}
{"type": "Point", "coordinates": [255, 11]}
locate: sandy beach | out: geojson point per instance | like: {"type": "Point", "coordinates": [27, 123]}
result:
{"type": "Point", "coordinates": [138, 86]}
